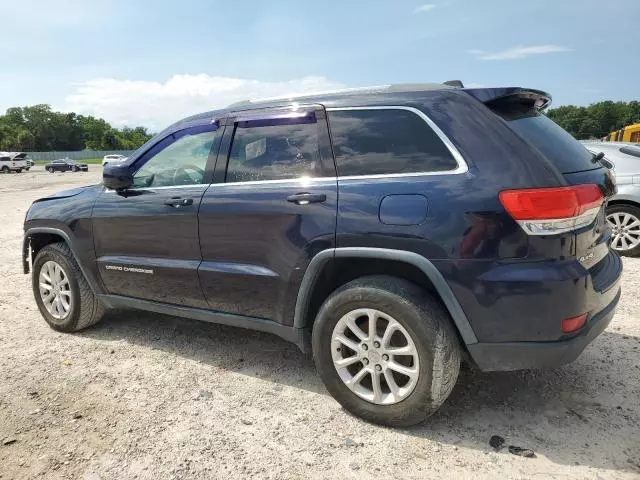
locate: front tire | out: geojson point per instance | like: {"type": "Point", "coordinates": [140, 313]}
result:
{"type": "Point", "coordinates": [624, 221]}
{"type": "Point", "coordinates": [62, 293]}
{"type": "Point", "coordinates": [386, 350]}
{"type": "Point", "coordinates": [50, 170]}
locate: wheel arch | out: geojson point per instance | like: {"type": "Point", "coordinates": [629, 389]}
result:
{"type": "Point", "coordinates": [624, 200]}
{"type": "Point", "coordinates": [36, 238]}
{"type": "Point", "coordinates": [304, 308]}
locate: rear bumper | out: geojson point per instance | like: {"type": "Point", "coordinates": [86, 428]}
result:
{"type": "Point", "coordinates": [529, 355]}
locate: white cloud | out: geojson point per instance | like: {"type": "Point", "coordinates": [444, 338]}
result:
{"type": "Point", "coordinates": [518, 52]}
{"type": "Point", "coordinates": [156, 104]}
{"type": "Point", "coordinates": [427, 7]}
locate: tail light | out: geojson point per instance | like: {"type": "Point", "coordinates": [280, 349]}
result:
{"type": "Point", "coordinates": [570, 325]}
{"type": "Point", "coordinates": [550, 211]}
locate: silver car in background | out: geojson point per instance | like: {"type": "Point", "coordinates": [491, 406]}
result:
{"type": "Point", "coordinates": [113, 158]}
{"type": "Point", "coordinates": [623, 209]}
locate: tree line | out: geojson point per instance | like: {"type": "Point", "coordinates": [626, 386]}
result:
{"type": "Point", "coordinates": [39, 128]}
{"type": "Point", "coordinates": [597, 120]}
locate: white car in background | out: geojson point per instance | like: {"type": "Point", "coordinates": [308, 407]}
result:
{"type": "Point", "coordinates": [13, 162]}
{"type": "Point", "coordinates": [113, 159]}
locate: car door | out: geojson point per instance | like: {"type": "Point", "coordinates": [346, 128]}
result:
{"type": "Point", "coordinates": [146, 237]}
{"type": "Point", "coordinates": [269, 212]}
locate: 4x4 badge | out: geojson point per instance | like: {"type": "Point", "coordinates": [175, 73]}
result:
{"type": "Point", "coordinates": [584, 258]}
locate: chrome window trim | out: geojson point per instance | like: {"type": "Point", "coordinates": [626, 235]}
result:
{"type": "Point", "coordinates": [151, 189]}
{"type": "Point", "coordinates": [462, 164]}
{"type": "Point", "coordinates": [461, 168]}
{"type": "Point", "coordinates": [299, 180]}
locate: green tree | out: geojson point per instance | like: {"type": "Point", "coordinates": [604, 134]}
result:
{"type": "Point", "coordinates": [40, 128]}
{"type": "Point", "coordinates": [25, 141]}
{"type": "Point", "coordinates": [110, 140]}
{"type": "Point", "coordinates": [596, 120]}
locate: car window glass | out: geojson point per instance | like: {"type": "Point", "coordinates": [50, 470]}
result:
{"type": "Point", "coordinates": [631, 150]}
{"type": "Point", "coordinates": [551, 140]}
{"type": "Point", "coordinates": [182, 162]}
{"type": "Point", "coordinates": [373, 142]}
{"type": "Point", "coordinates": [274, 152]}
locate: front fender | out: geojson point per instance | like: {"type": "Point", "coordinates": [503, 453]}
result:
{"type": "Point", "coordinates": [48, 234]}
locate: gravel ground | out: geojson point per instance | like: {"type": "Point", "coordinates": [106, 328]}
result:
{"type": "Point", "coordinates": [153, 397]}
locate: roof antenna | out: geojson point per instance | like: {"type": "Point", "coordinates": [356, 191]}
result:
{"type": "Point", "coordinates": [454, 83]}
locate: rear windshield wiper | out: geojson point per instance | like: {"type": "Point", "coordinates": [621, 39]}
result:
{"type": "Point", "coordinates": [597, 157]}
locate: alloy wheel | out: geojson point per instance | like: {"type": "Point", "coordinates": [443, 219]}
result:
{"type": "Point", "coordinates": [375, 356]}
{"type": "Point", "coordinates": [626, 231]}
{"type": "Point", "coordinates": [55, 290]}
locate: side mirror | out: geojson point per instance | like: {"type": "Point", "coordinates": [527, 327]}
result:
{"type": "Point", "coordinates": [117, 176]}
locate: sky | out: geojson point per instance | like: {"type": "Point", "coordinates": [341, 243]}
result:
{"type": "Point", "coordinates": [152, 62]}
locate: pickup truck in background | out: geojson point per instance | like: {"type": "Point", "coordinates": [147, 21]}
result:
{"type": "Point", "coordinates": [13, 162]}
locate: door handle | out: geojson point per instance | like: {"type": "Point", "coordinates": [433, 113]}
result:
{"type": "Point", "coordinates": [306, 198]}
{"type": "Point", "coordinates": [179, 202]}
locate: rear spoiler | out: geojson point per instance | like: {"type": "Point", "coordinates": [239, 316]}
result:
{"type": "Point", "coordinates": [494, 96]}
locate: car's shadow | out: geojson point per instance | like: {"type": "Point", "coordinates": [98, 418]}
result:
{"type": "Point", "coordinates": [587, 413]}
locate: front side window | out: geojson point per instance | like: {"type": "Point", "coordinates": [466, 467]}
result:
{"type": "Point", "coordinates": [275, 151]}
{"type": "Point", "coordinates": [386, 141]}
{"type": "Point", "coordinates": [182, 162]}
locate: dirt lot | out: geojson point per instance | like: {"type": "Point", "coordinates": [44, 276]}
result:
{"type": "Point", "coordinates": [153, 397]}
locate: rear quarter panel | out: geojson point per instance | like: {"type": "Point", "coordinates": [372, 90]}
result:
{"type": "Point", "coordinates": [467, 234]}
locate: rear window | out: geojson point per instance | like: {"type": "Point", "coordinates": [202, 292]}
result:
{"type": "Point", "coordinates": [558, 146]}
{"type": "Point", "coordinates": [386, 141]}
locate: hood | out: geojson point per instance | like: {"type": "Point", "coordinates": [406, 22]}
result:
{"type": "Point", "coordinates": [70, 193]}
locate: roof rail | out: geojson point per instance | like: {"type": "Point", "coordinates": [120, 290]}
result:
{"type": "Point", "coordinates": [399, 87]}
{"type": "Point", "coordinates": [454, 83]}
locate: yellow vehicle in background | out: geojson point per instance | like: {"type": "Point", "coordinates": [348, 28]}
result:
{"type": "Point", "coordinates": [630, 133]}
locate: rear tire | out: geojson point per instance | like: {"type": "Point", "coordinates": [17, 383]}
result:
{"type": "Point", "coordinates": [435, 356]}
{"type": "Point", "coordinates": [624, 219]}
{"type": "Point", "coordinates": [78, 307]}
{"type": "Point", "coordinates": [5, 169]}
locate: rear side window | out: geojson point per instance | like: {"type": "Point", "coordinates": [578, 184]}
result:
{"type": "Point", "coordinates": [558, 146]}
{"type": "Point", "coordinates": [386, 141]}
{"type": "Point", "coordinates": [275, 152]}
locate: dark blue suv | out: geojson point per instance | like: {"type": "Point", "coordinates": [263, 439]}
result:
{"type": "Point", "coordinates": [394, 231]}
